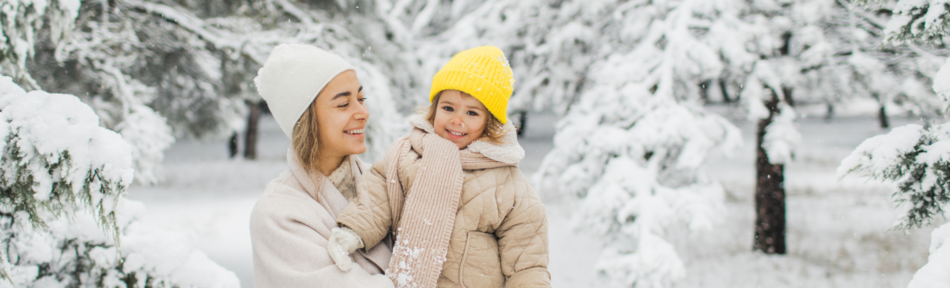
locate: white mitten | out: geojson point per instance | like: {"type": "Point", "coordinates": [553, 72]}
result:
{"type": "Point", "coordinates": [343, 241]}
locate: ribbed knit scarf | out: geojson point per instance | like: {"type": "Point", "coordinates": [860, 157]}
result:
{"type": "Point", "coordinates": [428, 215]}
{"type": "Point", "coordinates": [429, 211]}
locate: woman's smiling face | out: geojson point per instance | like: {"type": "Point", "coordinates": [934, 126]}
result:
{"type": "Point", "coordinates": [459, 118]}
{"type": "Point", "coordinates": [341, 116]}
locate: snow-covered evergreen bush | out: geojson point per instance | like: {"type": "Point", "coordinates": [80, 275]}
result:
{"type": "Point", "coordinates": [75, 253]}
{"type": "Point", "coordinates": [62, 211]}
{"type": "Point", "coordinates": [56, 157]}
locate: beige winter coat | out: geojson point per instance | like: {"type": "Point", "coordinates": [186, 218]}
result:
{"type": "Point", "coordinates": [290, 226]}
{"type": "Point", "coordinates": [500, 234]}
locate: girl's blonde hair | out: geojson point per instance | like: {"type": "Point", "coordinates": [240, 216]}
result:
{"type": "Point", "coordinates": [306, 141]}
{"type": "Point", "coordinates": [494, 130]}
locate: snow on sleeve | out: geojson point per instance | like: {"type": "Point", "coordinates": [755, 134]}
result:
{"type": "Point", "coordinates": [934, 273]}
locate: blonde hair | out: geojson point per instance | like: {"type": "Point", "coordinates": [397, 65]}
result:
{"type": "Point", "coordinates": [493, 128]}
{"type": "Point", "coordinates": [306, 141]}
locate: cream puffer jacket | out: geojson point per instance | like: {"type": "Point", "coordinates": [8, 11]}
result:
{"type": "Point", "coordinates": [500, 235]}
{"type": "Point", "coordinates": [290, 226]}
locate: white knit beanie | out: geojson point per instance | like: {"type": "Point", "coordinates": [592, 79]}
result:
{"type": "Point", "coordinates": [292, 77]}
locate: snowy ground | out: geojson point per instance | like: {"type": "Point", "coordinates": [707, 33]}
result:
{"type": "Point", "coordinates": [837, 230]}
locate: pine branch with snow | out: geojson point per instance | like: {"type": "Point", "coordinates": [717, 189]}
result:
{"type": "Point", "coordinates": [57, 158]}
{"type": "Point", "coordinates": [62, 206]}
{"type": "Point", "coordinates": [22, 21]}
{"type": "Point", "coordinates": [917, 159]}
{"type": "Point", "coordinates": [916, 21]}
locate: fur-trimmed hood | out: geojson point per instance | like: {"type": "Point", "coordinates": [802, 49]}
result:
{"type": "Point", "coordinates": [509, 151]}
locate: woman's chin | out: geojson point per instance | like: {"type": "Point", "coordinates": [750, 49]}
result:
{"type": "Point", "coordinates": [358, 149]}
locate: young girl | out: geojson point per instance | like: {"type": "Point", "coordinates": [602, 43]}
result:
{"type": "Point", "coordinates": [451, 192]}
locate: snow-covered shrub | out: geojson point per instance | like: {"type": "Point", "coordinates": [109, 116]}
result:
{"type": "Point", "coordinates": [56, 157]}
{"type": "Point", "coordinates": [62, 211]}
{"type": "Point", "coordinates": [75, 253]}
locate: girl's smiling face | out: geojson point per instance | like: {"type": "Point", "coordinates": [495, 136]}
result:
{"type": "Point", "coordinates": [459, 118]}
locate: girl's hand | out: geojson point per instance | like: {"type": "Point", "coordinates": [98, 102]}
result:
{"type": "Point", "coordinates": [342, 242]}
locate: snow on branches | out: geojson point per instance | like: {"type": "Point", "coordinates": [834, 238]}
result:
{"type": "Point", "coordinates": [75, 253]}
{"type": "Point", "coordinates": [62, 211]}
{"type": "Point", "coordinates": [924, 21]}
{"type": "Point", "coordinates": [632, 147]}
{"type": "Point", "coordinates": [917, 159]}
{"type": "Point", "coordinates": [56, 156]}
{"type": "Point", "coordinates": [21, 20]}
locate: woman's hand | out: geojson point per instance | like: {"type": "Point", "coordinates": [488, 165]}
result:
{"type": "Point", "coordinates": [342, 242]}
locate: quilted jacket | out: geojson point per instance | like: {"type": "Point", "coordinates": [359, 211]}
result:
{"type": "Point", "coordinates": [500, 235]}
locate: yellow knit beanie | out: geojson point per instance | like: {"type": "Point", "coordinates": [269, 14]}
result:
{"type": "Point", "coordinates": [482, 72]}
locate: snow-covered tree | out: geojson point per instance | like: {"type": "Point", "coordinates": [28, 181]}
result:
{"type": "Point", "coordinates": [861, 67]}
{"type": "Point", "coordinates": [915, 157]}
{"type": "Point", "coordinates": [21, 21]}
{"type": "Point", "coordinates": [156, 70]}
{"type": "Point", "coordinates": [62, 211]}
{"type": "Point", "coordinates": [785, 53]}
{"type": "Point", "coordinates": [632, 147]}
{"type": "Point", "coordinates": [917, 22]}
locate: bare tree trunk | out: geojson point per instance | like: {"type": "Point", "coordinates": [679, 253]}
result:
{"type": "Point", "coordinates": [704, 90]}
{"type": "Point", "coordinates": [522, 122]}
{"type": "Point", "coordinates": [250, 138]}
{"type": "Point", "coordinates": [725, 91]}
{"type": "Point", "coordinates": [788, 96]}
{"type": "Point", "coordinates": [769, 193]}
{"type": "Point", "coordinates": [829, 112]}
{"type": "Point", "coordinates": [882, 117]}
{"type": "Point", "coordinates": [233, 145]}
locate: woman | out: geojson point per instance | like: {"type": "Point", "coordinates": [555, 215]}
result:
{"type": "Point", "coordinates": [318, 102]}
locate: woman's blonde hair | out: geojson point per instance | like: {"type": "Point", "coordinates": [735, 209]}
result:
{"type": "Point", "coordinates": [494, 130]}
{"type": "Point", "coordinates": [306, 140]}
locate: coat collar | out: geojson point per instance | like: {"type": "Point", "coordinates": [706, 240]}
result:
{"type": "Point", "coordinates": [319, 186]}
{"type": "Point", "coordinates": [508, 152]}
{"type": "Point", "coordinates": [333, 201]}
